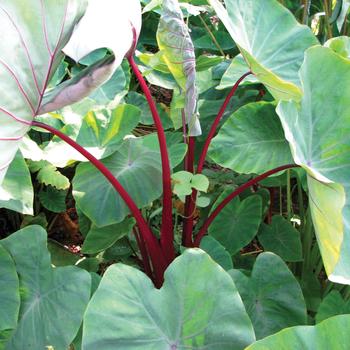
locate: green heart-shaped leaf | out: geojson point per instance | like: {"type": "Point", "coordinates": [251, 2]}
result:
{"type": "Point", "coordinates": [272, 296]}
{"type": "Point", "coordinates": [53, 299]}
{"type": "Point", "coordinates": [271, 41]}
{"type": "Point", "coordinates": [137, 166]}
{"type": "Point", "coordinates": [330, 334]}
{"type": "Point", "coordinates": [238, 223]}
{"type": "Point", "coordinates": [251, 140]}
{"type": "Point", "coordinates": [281, 238]}
{"type": "Point", "coordinates": [197, 307]}
{"type": "Point", "coordinates": [318, 132]}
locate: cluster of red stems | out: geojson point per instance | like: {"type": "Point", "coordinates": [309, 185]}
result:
{"type": "Point", "coordinates": [157, 254]}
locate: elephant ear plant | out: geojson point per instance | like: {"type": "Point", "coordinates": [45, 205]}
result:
{"type": "Point", "coordinates": [188, 297]}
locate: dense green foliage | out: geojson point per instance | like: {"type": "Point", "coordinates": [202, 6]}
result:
{"type": "Point", "coordinates": [248, 261]}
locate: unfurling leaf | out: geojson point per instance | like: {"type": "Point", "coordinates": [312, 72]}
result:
{"type": "Point", "coordinates": [175, 42]}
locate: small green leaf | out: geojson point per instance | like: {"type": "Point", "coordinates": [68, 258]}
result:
{"type": "Point", "coordinates": [182, 183]}
{"type": "Point", "coordinates": [238, 223]}
{"type": "Point", "coordinates": [50, 176]}
{"type": "Point", "coordinates": [200, 182]}
{"type": "Point", "coordinates": [53, 200]}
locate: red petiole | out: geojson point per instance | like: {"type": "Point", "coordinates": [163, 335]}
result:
{"type": "Point", "coordinates": [156, 256]}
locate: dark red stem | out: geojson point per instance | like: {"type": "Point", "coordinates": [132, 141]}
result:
{"type": "Point", "coordinates": [216, 123]}
{"type": "Point", "coordinates": [155, 252]}
{"type": "Point", "coordinates": [234, 194]}
{"type": "Point", "coordinates": [143, 251]}
{"type": "Point", "coordinates": [167, 230]}
{"type": "Point", "coordinates": [189, 204]}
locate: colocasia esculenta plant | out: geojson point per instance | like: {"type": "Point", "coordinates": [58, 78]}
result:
{"type": "Point", "coordinates": [176, 201]}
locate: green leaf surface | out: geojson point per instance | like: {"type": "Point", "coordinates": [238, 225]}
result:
{"type": "Point", "coordinates": [234, 72]}
{"type": "Point", "coordinates": [9, 292]}
{"type": "Point", "coordinates": [16, 191]}
{"type": "Point", "coordinates": [200, 182]}
{"type": "Point", "coordinates": [137, 166]}
{"type": "Point", "coordinates": [281, 238]}
{"type": "Point", "coordinates": [217, 252]}
{"type": "Point", "coordinates": [100, 132]}
{"type": "Point", "coordinates": [50, 176]}
{"type": "Point", "coordinates": [140, 102]}
{"type": "Point", "coordinates": [330, 334]}
{"type": "Point", "coordinates": [332, 305]}
{"type": "Point", "coordinates": [53, 299]}
{"type": "Point", "coordinates": [182, 183]}
{"type": "Point", "coordinates": [175, 42]}
{"type": "Point", "coordinates": [53, 200]}
{"type": "Point", "coordinates": [102, 238]}
{"type": "Point", "coordinates": [318, 132]}
{"type": "Point", "coordinates": [251, 140]}
{"type": "Point", "coordinates": [238, 223]}
{"type": "Point", "coordinates": [270, 40]}
{"type": "Point", "coordinates": [197, 307]}
{"type": "Point", "coordinates": [271, 295]}
{"type": "Point", "coordinates": [341, 45]}
{"type": "Point", "coordinates": [33, 35]}
{"type": "Point", "coordinates": [60, 255]}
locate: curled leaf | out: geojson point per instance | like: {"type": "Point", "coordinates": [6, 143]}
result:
{"type": "Point", "coordinates": [175, 42]}
{"type": "Point", "coordinates": [33, 34]}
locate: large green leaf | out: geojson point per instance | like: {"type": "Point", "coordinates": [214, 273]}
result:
{"type": "Point", "coordinates": [53, 300]}
{"type": "Point", "coordinates": [251, 140]}
{"type": "Point", "coordinates": [318, 132]}
{"type": "Point", "coordinates": [271, 295]}
{"type": "Point", "coordinates": [33, 34]}
{"type": "Point", "coordinates": [101, 132]}
{"type": "Point", "coordinates": [234, 72]}
{"type": "Point", "coordinates": [137, 166]}
{"type": "Point", "coordinates": [9, 292]}
{"type": "Point", "coordinates": [330, 334]}
{"type": "Point", "coordinates": [237, 223]}
{"type": "Point", "coordinates": [271, 41]}
{"type": "Point", "coordinates": [281, 238]}
{"type": "Point", "coordinates": [176, 45]}
{"type": "Point", "coordinates": [198, 307]}
{"type": "Point", "coordinates": [16, 191]}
